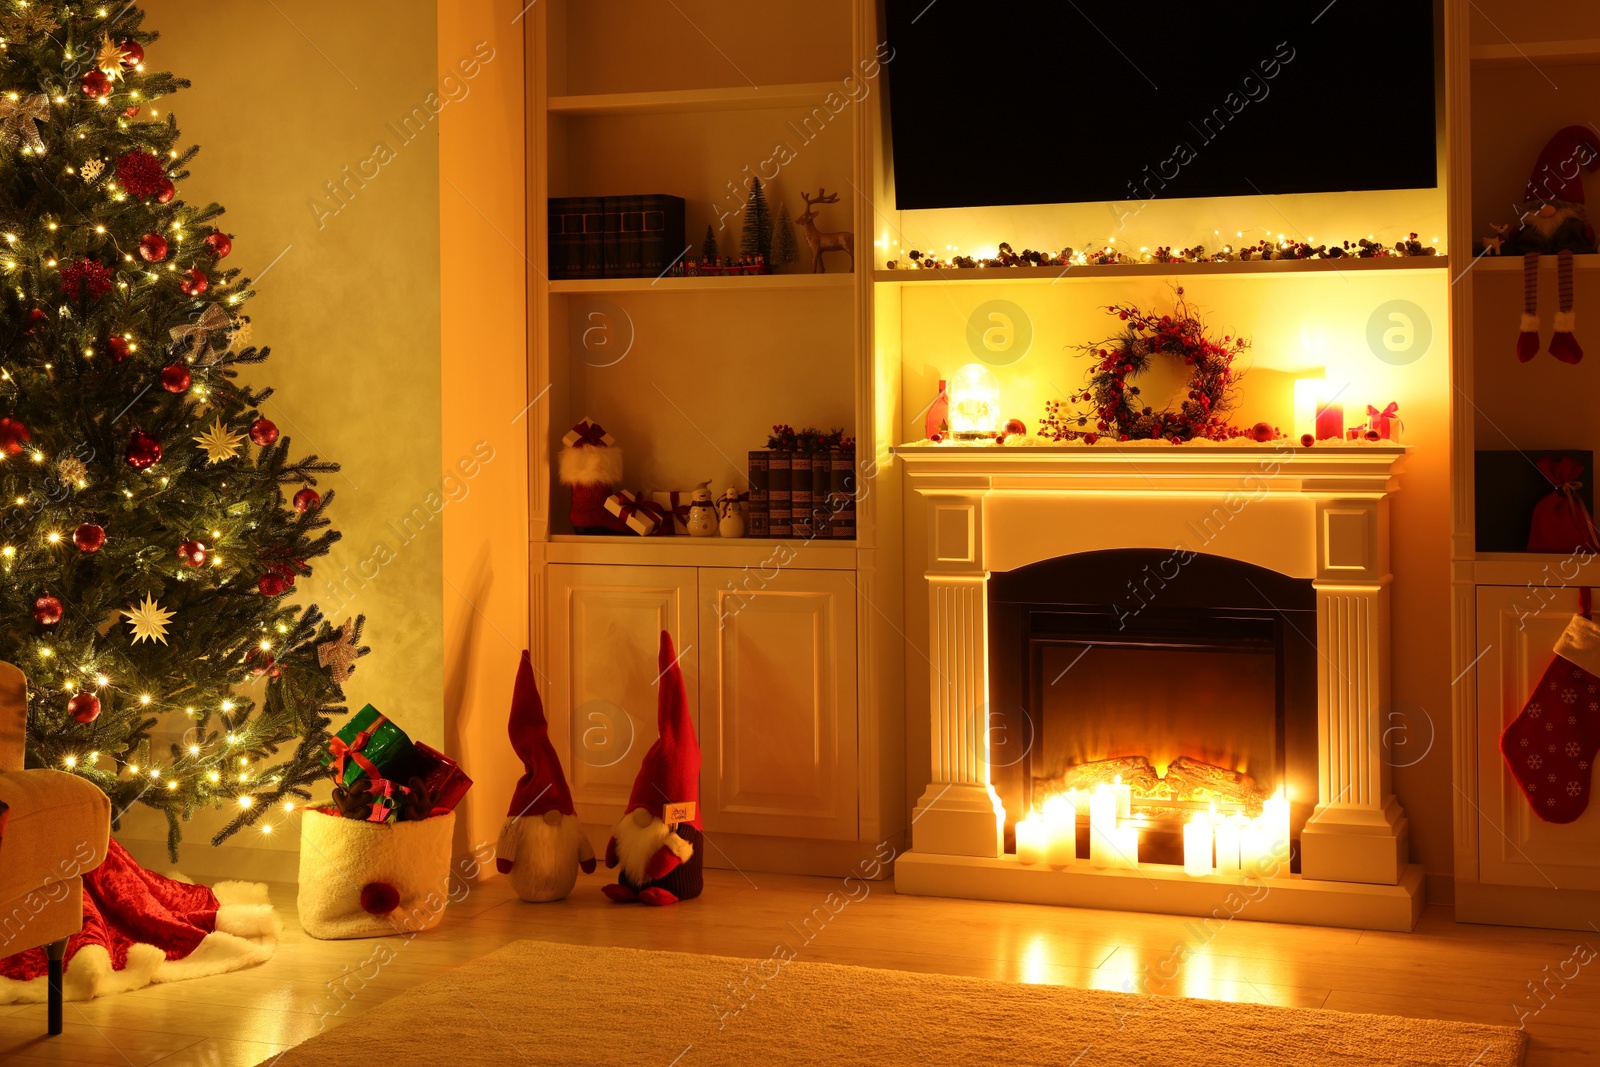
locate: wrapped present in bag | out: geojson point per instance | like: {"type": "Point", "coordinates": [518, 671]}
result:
{"type": "Point", "coordinates": [369, 745]}
{"type": "Point", "coordinates": [445, 782]}
{"type": "Point", "coordinates": [367, 879]}
{"type": "Point", "coordinates": [1560, 521]}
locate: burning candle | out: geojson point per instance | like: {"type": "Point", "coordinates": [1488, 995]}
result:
{"type": "Point", "coordinates": [1197, 839]}
{"type": "Point", "coordinates": [1124, 794]}
{"type": "Point", "coordinates": [1330, 419]}
{"type": "Point", "coordinates": [1102, 825]}
{"type": "Point", "coordinates": [1125, 847]}
{"type": "Point", "coordinates": [1061, 831]}
{"type": "Point", "coordinates": [1255, 847]}
{"type": "Point", "coordinates": [1275, 813]}
{"type": "Point", "coordinates": [1229, 844]}
{"type": "Point", "coordinates": [1031, 837]}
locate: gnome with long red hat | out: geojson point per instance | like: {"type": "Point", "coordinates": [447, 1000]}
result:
{"type": "Point", "coordinates": [541, 845]}
{"type": "Point", "coordinates": [1555, 221]}
{"type": "Point", "coordinates": [659, 840]}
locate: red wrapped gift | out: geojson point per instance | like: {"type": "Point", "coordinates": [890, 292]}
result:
{"type": "Point", "coordinates": [1386, 422]}
{"type": "Point", "coordinates": [676, 506]}
{"type": "Point", "coordinates": [1560, 521]}
{"type": "Point", "coordinates": [442, 777]}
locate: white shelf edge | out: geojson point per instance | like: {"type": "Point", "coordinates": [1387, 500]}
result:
{"type": "Point", "coordinates": [956, 276]}
{"type": "Point", "coordinates": [1532, 53]}
{"type": "Point", "coordinates": [684, 551]}
{"type": "Point", "coordinates": [1513, 264]}
{"type": "Point", "coordinates": [682, 101]}
{"type": "Point", "coordinates": [760, 283]}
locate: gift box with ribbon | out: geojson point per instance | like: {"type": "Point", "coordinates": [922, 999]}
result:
{"type": "Point", "coordinates": [588, 433]}
{"type": "Point", "coordinates": [1386, 422]}
{"type": "Point", "coordinates": [643, 517]}
{"type": "Point", "coordinates": [675, 507]}
{"type": "Point", "coordinates": [368, 745]}
{"type": "Point", "coordinates": [441, 776]}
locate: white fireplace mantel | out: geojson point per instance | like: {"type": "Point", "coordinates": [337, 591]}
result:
{"type": "Point", "coordinates": [1319, 513]}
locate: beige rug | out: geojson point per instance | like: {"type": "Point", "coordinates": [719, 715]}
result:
{"type": "Point", "coordinates": [534, 1002]}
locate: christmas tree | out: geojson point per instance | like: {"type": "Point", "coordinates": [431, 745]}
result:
{"type": "Point", "coordinates": [148, 544]}
{"type": "Point", "coordinates": [785, 249]}
{"type": "Point", "coordinates": [757, 236]}
{"type": "Point", "coordinates": [708, 247]}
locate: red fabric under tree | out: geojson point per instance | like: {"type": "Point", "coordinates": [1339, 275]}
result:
{"type": "Point", "coordinates": [1550, 747]}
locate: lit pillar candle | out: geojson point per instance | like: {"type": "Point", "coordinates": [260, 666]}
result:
{"type": "Point", "coordinates": [1124, 794]}
{"type": "Point", "coordinates": [1061, 831]}
{"type": "Point", "coordinates": [1229, 832]}
{"type": "Point", "coordinates": [1255, 847]}
{"type": "Point", "coordinates": [1031, 836]}
{"type": "Point", "coordinates": [1125, 847]}
{"type": "Point", "coordinates": [1197, 835]}
{"type": "Point", "coordinates": [1275, 813]}
{"type": "Point", "coordinates": [1102, 825]}
{"type": "Point", "coordinates": [1330, 415]}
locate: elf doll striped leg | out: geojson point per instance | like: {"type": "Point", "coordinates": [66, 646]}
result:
{"type": "Point", "coordinates": [1528, 340]}
{"type": "Point", "coordinates": [1564, 345]}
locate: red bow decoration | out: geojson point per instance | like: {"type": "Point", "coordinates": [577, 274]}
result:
{"type": "Point", "coordinates": [1387, 421]}
{"type": "Point", "coordinates": [352, 752]}
{"type": "Point", "coordinates": [592, 434]}
{"type": "Point", "coordinates": [647, 507]}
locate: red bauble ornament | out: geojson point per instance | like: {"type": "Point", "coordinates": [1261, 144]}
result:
{"type": "Point", "coordinates": [193, 553]}
{"type": "Point", "coordinates": [1090, 438]}
{"type": "Point", "coordinates": [1016, 428]}
{"type": "Point", "coordinates": [119, 348]}
{"type": "Point", "coordinates": [47, 611]}
{"type": "Point", "coordinates": [35, 318]}
{"type": "Point", "coordinates": [270, 585]}
{"type": "Point", "coordinates": [1373, 435]}
{"type": "Point", "coordinates": [132, 53]}
{"type": "Point", "coordinates": [262, 662]}
{"type": "Point", "coordinates": [263, 432]}
{"type": "Point", "coordinates": [175, 378]}
{"type": "Point", "coordinates": [85, 707]}
{"type": "Point", "coordinates": [307, 500]}
{"type": "Point", "coordinates": [143, 451]}
{"type": "Point", "coordinates": [194, 282]}
{"type": "Point", "coordinates": [13, 436]}
{"type": "Point", "coordinates": [140, 173]}
{"type": "Point", "coordinates": [936, 437]}
{"type": "Point", "coordinates": [167, 191]}
{"type": "Point", "coordinates": [96, 85]}
{"type": "Point", "coordinates": [1262, 431]}
{"type": "Point", "coordinates": [88, 537]}
{"type": "Point", "coordinates": [1307, 440]}
{"type": "Point", "coordinates": [130, 111]}
{"type": "Point", "coordinates": [153, 248]}
{"type": "Point", "coordinates": [218, 244]}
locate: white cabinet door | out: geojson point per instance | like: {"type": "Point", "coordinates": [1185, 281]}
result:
{"type": "Point", "coordinates": [1516, 631]}
{"type": "Point", "coordinates": [778, 703]}
{"type": "Point", "coordinates": [605, 627]}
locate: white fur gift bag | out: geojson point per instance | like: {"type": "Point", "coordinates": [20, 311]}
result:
{"type": "Point", "coordinates": [365, 879]}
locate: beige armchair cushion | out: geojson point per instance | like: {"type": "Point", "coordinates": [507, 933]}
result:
{"type": "Point", "coordinates": [13, 717]}
{"type": "Point", "coordinates": [57, 831]}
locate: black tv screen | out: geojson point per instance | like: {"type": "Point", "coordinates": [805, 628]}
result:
{"type": "Point", "coordinates": [1076, 101]}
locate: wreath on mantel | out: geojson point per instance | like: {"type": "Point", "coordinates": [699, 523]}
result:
{"type": "Point", "coordinates": [1118, 410]}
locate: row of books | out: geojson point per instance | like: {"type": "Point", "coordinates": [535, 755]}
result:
{"type": "Point", "coordinates": [804, 495]}
{"type": "Point", "coordinates": [615, 236]}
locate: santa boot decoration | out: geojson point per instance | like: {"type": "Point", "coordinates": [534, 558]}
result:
{"type": "Point", "coordinates": [1528, 339]}
{"type": "Point", "coordinates": [1564, 345]}
{"type": "Point", "coordinates": [591, 464]}
{"type": "Point", "coordinates": [541, 844]}
{"type": "Point", "coordinates": [1550, 747]}
{"type": "Point", "coordinates": [658, 842]}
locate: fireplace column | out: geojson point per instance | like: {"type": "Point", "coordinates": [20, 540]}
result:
{"type": "Point", "coordinates": [1358, 832]}
{"type": "Point", "coordinates": [959, 813]}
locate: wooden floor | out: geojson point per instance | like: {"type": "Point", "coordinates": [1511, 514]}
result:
{"type": "Point", "coordinates": [1443, 970]}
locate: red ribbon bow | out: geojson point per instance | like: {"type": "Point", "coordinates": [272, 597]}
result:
{"type": "Point", "coordinates": [1386, 413]}
{"type": "Point", "coordinates": [648, 507]}
{"type": "Point", "coordinates": [343, 752]}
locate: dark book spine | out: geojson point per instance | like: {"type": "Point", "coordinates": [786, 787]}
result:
{"type": "Point", "coordinates": [612, 212]}
{"type": "Point", "coordinates": [821, 484]}
{"type": "Point", "coordinates": [566, 236]}
{"type": "Point", "coordinates": [779, 473]}
{"type": "Point", "coordinates": [661, 233]}
{"type": "Point", "coordinates": [800, 496]}
{"type": "Point", "coordinates": [842, 495]}
{"type": "Point", "coordinates": [589, 259]}
{"type": "Point", "coordinates": [755, 517]}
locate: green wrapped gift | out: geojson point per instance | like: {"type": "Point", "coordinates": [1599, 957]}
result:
{"type": "Point", "coordinates": [368, 745]}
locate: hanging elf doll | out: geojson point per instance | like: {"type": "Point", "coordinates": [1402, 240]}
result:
{"type": "Point", "coordinates": [1553, 220]}
{"type": "Point", "coordinates": [1550, 747]}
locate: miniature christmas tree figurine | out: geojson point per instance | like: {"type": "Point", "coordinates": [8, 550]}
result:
{"type": "Point", "coordinates": [785, 249]}
{"type": "Point", "coordinates": [708, 248]}
{"type": "Point", "coordinates": [757, 236]}
{"type": "Point", "coordinates": [152, 537]}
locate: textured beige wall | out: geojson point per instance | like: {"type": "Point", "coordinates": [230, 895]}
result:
{"type": "Point", "coordinates": [287, 96]}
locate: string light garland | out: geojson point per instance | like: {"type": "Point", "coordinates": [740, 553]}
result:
{"type": "Point", "coordinates": [1268, 249]}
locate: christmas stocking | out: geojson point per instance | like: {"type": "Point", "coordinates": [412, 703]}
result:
{"type": "Point", "coordinates": [1528, 339]}
{"type": "Point", "coordinates": [1564, 346]}
{"type": "Point", "coordinates": [1550, 747]}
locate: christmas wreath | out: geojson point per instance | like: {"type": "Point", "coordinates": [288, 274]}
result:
{"type": "Point", "coordinates": [1118, 410]}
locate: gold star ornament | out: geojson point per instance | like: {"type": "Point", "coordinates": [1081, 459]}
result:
{"type": "Point", "coordinates": [149, 621]}
{"type": "Point", "coordinates": [109, 58]}
{"type": "Point", "coordinates": [339, 654]}
{"type": "Point", "coordinates": [218, 443]}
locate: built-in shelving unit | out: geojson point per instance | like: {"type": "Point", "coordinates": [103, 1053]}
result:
{"type": "Point", "coordinates": [1535, 53]}
{"type": "Point", "coordinates": [1514, 264]}
{"type": "Point", "coordinates": [768, 283]}
{"type": "Point", "coordinates": [683, 101]}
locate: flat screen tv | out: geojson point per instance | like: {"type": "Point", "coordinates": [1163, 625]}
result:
{"type": "Point", "coordinates": [1077, 101]}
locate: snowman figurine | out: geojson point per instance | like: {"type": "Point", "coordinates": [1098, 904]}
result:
{"type": "Point", "coordinates": [731, 510]}
{"type": "Point", "coordinates": [702, 512]}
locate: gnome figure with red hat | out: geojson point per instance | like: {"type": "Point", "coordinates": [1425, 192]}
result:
{"type": "Point", "coordinates": [1554, 221]}
{"type": "Point", "coordinates": [658, 842]}
{"type": "Point", "coordinates": [541, 845]}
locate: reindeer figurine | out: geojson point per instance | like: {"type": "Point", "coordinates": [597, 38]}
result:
{"type": "Point", "coordinates": [835, 241]}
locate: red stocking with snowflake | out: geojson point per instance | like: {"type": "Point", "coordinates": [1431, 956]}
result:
{"type": "Point", "coordinates": [1550, 747]}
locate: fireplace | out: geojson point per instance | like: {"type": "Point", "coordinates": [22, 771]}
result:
{"type": "Point", "coordinates": [1208, 621]}
{"type": "Point", "coordinates": [1198, 688]}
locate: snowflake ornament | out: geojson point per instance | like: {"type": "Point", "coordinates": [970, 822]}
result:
{"type": "Point", "coordinates": [338, 655]}
{"type": "Point", "coordinates": [92, 169]}
{"type": "Point", "coordinates": [72, 471]}
{"type": "Point", "coordinates": [109, 58]}
{"type": "Point", "coordinates": [239, 336]}
{"type": "Point", "coordinates": [149, 621]}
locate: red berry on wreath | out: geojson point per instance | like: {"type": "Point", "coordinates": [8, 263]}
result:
{"type": "Point", "coordinates": [13, 436]}
{"type": "Point", "coordinates": [1090, 438]}
{"type": "Point", "coordinates": [143, 451]}
{"type": "Point", "coordinates": [167, 191]}
{"type": "Point", "coordinates": [1261, 431]}
{"type": "Point", "coordinates": [96, 86]}
{"type": "Point", "coordinates": [218, 244]}
{"type": "Point", "coordinates": [88, 537]}
{"type": "Point", "coordinates": [194, 282]}
{"type": "Point", "coordinates": [47, 610]}
{"type": "Point", "coordinates": [1307, 440]}
{"type": "Point", "coordinates": [152, 248]}
{"type": "Point", "coordinates": [263, 432]}
{"type": "Point", "coordinates": [175, 378]}
{"type": "Point", "coordinates": [192, 553]}
{"type": "Point", "coordinates": [85, 707]}
{"type": "Point", "coordinates": [306, 500]}
{"type": "Point", "coordinates": [132, 53]}
{"type": "Point", "coordinates": [270, 585]}
{"type": "Point", "coordinates": [118, 348]}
